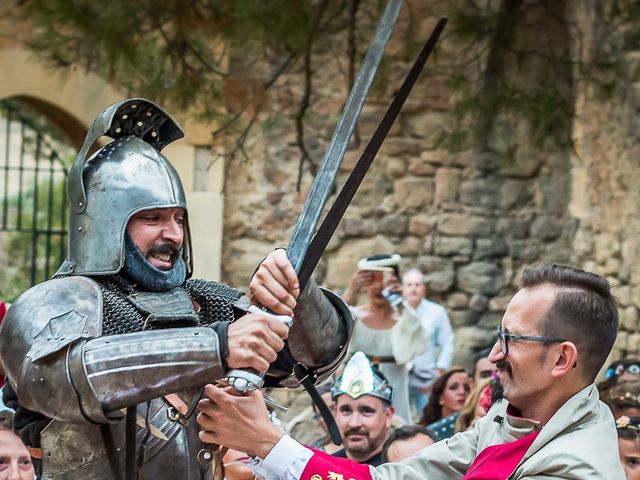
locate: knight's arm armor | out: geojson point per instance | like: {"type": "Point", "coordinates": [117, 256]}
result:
{"type": "Point", "coordinates": [318, 338]}
{"type": "Point", "coordinates": [61, 366]}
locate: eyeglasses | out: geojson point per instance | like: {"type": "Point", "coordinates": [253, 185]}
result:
{"type": "Point", "coordinates": [504, 337]}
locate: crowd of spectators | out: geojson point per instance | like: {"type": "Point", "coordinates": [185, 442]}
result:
{"type": "Point", "coordinates": [447, 399]}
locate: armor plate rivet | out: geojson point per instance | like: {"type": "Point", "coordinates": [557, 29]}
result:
{"type": "Point", "coordinates": [196, 333]}
{"type": "Point", "coordinates": [125, 116]}
{"type": "Point", "coordinates": [80, 204]}
{"type": "Point", "coordinates": [140, 124]}
{"type": "Point", "coordinates": [154, 134]}
{"type": "Point", "coordinates": [79, 229]}
{"type": "Point", "coordinates": [118, 130]}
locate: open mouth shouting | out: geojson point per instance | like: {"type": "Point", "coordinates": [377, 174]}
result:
{"type": "Point", "coordinates": [162, 256]}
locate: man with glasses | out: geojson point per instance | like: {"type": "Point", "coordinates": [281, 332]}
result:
{"type": "Point", "coordinates": [553, 339]}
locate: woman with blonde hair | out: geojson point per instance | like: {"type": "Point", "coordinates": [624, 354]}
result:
{"type": "Point", "coordinates": [477, 404]}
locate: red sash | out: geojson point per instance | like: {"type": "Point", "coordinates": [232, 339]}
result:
{"type": "Point", "coordinates": [497, 462]}
{"type": "Point", "coordinates": [323, 466]}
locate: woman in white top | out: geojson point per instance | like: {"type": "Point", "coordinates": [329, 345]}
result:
{"type": "Point", "coordinates": [390, 335]}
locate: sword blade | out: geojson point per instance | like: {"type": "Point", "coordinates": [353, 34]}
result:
{"type": "Point", "coordinates": [323, 183]}
{"type": "Point", "coordinates": [333, 217]}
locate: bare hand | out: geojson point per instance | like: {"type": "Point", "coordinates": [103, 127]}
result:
{"type": "Point", "coordinates": [238, 422]}
{"type": "Point", "coordinates": [253, 341]}
{"type": "Point", "coordinates": [275, 285]}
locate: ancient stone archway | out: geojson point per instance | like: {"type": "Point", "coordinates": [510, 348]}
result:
{"type": "Point", "coordinates": [71, 99]}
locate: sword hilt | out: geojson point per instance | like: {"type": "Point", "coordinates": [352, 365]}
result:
{"type": "Point", "coordinates": [246, 380]}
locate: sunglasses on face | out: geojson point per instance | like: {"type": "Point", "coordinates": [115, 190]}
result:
{"type": "Point", "coordinates": [505, 337]}
{"type": "Point", "coordinates": [616, 371]}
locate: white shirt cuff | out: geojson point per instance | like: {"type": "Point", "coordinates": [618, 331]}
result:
{"type": "Point", "coordinates": [286, 460]}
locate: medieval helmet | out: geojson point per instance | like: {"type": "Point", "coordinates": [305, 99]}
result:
{"type": "Point", "coordinates": [359, 378]}
{"type": "Point", "coordinates": [124, 177]}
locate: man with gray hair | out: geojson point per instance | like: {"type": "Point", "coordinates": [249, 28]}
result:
{"type": "Point", "coordinates": [438, 351]}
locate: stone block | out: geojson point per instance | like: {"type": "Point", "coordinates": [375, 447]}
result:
{"type": "Point", "coordinates": [469, 339]}
{"type": "Point", "coordinates": [629, 319]}
{"type": "Point", "coordinates": [394, 167]}
{"type": "Point", "coordinates": [515, 228]}
{"type": "Point", "coordinates": [482, 277]}
{"type": "Point", "coordinates": [480, 192]}
{"type": "Point", "coordinates": [447, 246]}
{"type": "Point", "coordinates": [410, 246]}
{"type": "Point", "coordinates": [478, 302]}
{"type": "Point", "coordinates": [397, 146]}
{"type": "Point", "coordinates": [514, 194]}
{"type": "Point", "coordinates": [413, 193]}
{"type": "Point", "coordinates": [417, 166]}
{"type": "Point", "coordinates": [358, 227]}
{"type": "Point", "coordinates": [393, 225]}
{"type": "Point", "coordinates": [436, 158]}
{"type": "Point", "coordinates": [459, 224]}
{"type": "Point", "coordinates": [447, 183]}
{"type": "Point", "coordinates": [490, 247]}
{"type": "Point", "coordinates": [438, 273]}
{"type": "Point", "coordinates": [490, 321]}
{"type": "Point", "coordinates": [457, 301]}
{"type": "Point", "coordinates": [499, 304]}
{"type": "Point", "coordinates": [621, 340]}
{"type": "Point", "coordinates": [525, 251]}
{"type": "Point", "coordinates": [522, 166]}
{"type": "Point", "coordinates": [462, 318]}
{"type": "Point", "coordinates": [633, 344]}
{"type": "Point", "coordinates": [606, 246]}
{"type": "Point", "coordinates": [546, 228]}
{"type": "Point", "coordinates": [421, 224]}
{"type": "Point", "coordinates": [423, 124]}
{"type": "Point", "coordinates": [623, 294]}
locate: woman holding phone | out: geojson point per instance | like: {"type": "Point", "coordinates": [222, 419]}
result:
{"type": "Point", "coordinates": [386, 328]}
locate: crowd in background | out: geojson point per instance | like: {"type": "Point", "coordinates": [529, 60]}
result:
{"type": "Point", "coordinates": [408, 342]}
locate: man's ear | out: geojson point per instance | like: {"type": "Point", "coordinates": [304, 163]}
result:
{"type": "Point", "coordinates": [566, 359]}
{"type": "Point", "coordinates": [389, 412]}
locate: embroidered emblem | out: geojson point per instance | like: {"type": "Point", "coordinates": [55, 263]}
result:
{"type": "Point", "coordinates": [335, 476]}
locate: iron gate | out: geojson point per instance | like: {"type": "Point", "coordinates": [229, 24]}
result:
{"type": "Point", "coordinates": [33, 195]}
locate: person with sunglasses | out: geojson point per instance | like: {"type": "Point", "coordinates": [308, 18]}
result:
{"type": "Point", "coordinates": [554, 338]}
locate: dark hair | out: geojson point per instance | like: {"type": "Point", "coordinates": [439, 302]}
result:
{"type": "Point", "coordinates": [629, 429]}
{"type": "Point", "coordinates": [484, 353]}
{"type": "Point", "coordinates": [405, 433]}
{"type": "Point", "coordinates": [584, 312]}
{"type": "Point", "coordinates": [433, 410]}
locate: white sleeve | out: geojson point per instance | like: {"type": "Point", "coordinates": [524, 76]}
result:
{"type": "Point", "coordinates": [286, 461]}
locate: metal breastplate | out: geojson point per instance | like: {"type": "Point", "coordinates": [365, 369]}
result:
{"type": "Point", "coordinates": [76, 452]}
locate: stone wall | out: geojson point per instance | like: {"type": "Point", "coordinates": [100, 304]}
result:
{"type": "Point", "coordinates": [470, 220]}
{"type": "Point", "coordinates": [606, 173]}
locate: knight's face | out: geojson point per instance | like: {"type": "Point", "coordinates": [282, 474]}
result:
{"type": "Point", "coordinates": [158, 234]}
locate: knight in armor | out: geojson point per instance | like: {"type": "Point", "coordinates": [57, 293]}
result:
{"type": "Point", "coordinates": [124, 331]}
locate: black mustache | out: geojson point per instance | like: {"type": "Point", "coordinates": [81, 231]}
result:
{"type": "Point", "coordinates": [504, 365]}
{"type": "Point", "coordinates": [356, 431]}
{"type": "Point", "coordinates": [164, 248]}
